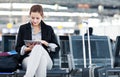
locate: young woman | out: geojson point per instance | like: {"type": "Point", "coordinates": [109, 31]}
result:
{"type": "Point", "coordinates": [36, 58]}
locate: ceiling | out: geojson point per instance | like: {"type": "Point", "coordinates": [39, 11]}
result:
{"type": "Point", "coordinates": [108, 4]}
{"type": "Point", "coordinates": [110, 7]}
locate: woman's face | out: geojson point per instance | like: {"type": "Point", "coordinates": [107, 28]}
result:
{"type": "Point", "coordinates": [35, 18]}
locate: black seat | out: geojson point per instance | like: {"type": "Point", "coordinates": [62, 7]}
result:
{"type": "Point", "coordinates": [60, 67]}
{"type": "Point", "coordinates": [65, 49]}
{"type": "Point", "coordinates": [115, 71]}
{"type": "Point", "coordinates": [7, 74]}
{"type": "Point", "coordinates": [117, 51]}
{"type": "Point", "coordinates": [100, 51]}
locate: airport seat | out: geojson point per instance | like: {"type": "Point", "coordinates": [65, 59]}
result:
{"type": "Point", "coordinates": [60, 68]}
{"type": "Point", "coordinates": [7, 74]}
{"type": "Point", "coordinates": [100, 52]}
{"type": "Point", "coordinates": [61, 64]}
{"type": "Point", "coordinates": [117, 51]}
{"type": "Point", "coordinates": [8, 42]}
{"type": "Point", "coordinates": [64, 50]}
{"type": "Point", "coordinates": [115, 71]}
{"type": "Point", "coordinates": [56, 71]}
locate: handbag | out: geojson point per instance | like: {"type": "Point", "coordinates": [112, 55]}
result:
{"type": "Point", "coordinates": [9, 63]}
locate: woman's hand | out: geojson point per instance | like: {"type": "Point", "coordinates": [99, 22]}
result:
{"type": "Point", "coordinates": [44, 42]}
{"type": "Point", "coordinates": [29, 47]}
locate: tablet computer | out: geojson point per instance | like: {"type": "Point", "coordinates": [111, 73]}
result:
{"type": "Point", "coordinates": [31, 42]}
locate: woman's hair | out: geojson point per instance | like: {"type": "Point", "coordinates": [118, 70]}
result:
{"type": "Point", "coordinates": [37, 8]}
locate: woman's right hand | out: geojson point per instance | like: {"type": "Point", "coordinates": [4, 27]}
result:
{"type": "Point", "coordinates": [29, 47]}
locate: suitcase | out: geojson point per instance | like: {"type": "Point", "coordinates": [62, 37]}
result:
{"type": "Point", "coordinates": [88, 71]}
{"type": "Point", "coordinates": [93, 70]}
{"type": "Point", "coordinates": [86, 62]}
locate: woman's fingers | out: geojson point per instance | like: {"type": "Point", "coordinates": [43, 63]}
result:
{"type": "Point", "coordinates": [44, 42]}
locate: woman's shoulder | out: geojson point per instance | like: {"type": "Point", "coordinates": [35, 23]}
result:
{"type": "Point", "coordinates": [49, 28]}
{"type": "Point", "coordinates": [44, 25]}
{"type": "Point", "coordinates": [25, 25]}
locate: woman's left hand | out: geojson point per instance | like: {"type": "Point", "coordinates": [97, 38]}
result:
{"type": "Point", "coordinates": [44, 42]}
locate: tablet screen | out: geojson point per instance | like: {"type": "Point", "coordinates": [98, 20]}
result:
{"type": "Point", "coordinates": [31, 42]}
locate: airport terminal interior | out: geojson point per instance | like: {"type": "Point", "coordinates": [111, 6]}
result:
{"type": "Point", "coordinates": [82, 54]}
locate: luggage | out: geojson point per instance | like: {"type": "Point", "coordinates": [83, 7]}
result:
{"type": "Point", "coordinates": [115, 71]}
{"type": "Point", "coordinates": [87, 53]}
{"type": "Point", "coordinates": [89, 71]}
{"type": "Point", "coordinates": [9, 63]}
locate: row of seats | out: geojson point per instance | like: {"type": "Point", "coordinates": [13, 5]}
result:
{"type": "Point", "coordinates": [79, 52]}
{"type": "Point", "coordinates": [58, 70]}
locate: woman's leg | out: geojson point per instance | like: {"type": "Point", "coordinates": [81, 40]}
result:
{"type": "Point", "coordinates": [33, 61]}
{"type": "Point", "coordinates": [45, 63]}
{"type": "Point", "coordinates": [38, 62]}
{"type": "Point", "coordinates": [24, 63]}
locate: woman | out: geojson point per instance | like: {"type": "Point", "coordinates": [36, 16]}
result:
{"type": "Point", "coordinates": [36, 58]}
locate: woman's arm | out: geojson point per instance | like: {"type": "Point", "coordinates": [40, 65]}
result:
{"type": "Point", "coordinates": [19, 41]}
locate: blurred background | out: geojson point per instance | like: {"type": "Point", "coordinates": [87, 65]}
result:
{"type": "Point", "coordinates": [70, 17]}
{"type": "Point", "coordinates": [66, 17]}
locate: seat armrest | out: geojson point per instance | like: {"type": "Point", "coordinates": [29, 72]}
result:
{"type": "Point", "coordinates": [71, 64]}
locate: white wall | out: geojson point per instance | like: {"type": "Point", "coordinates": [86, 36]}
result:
{"type": "Point", "coordinates": [111, 31]}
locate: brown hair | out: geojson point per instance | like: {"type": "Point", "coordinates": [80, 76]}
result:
{"type": "Point", "coordinates": [37, 8]}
